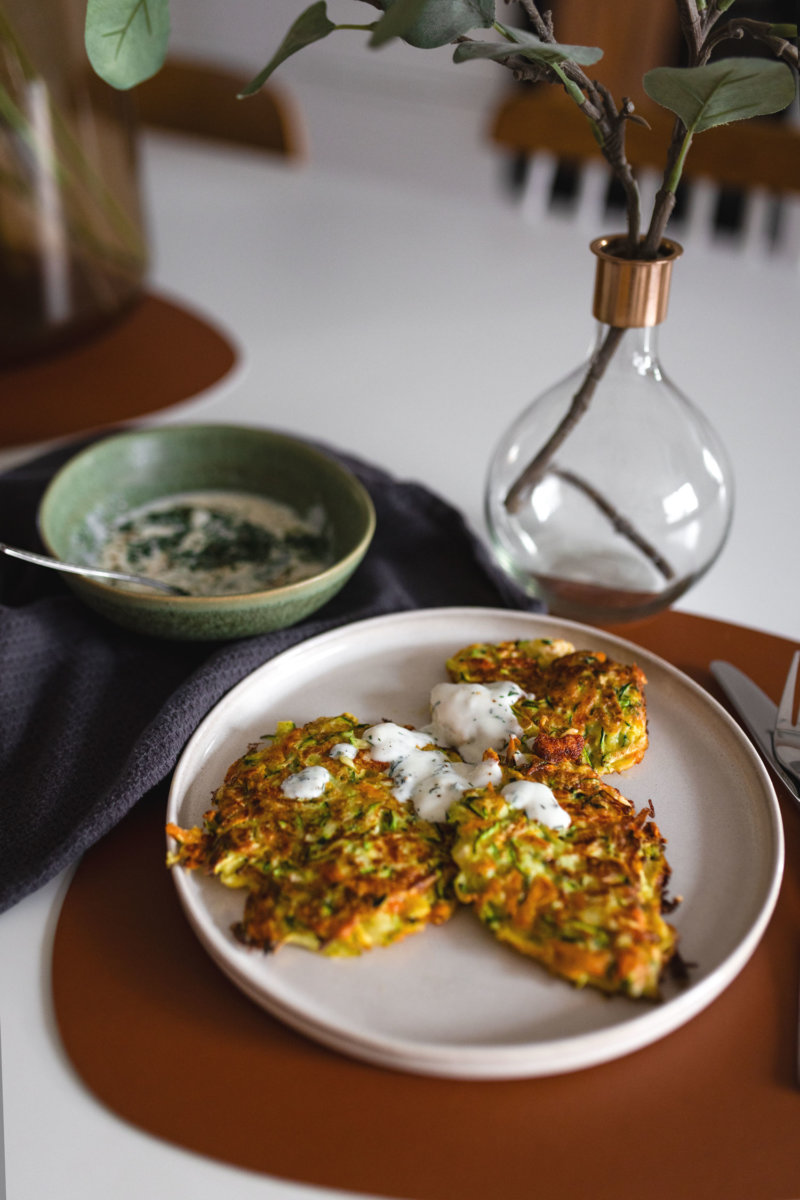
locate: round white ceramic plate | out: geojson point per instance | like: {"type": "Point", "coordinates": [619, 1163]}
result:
{"type": "Point", "coordinates": [451, 1001]}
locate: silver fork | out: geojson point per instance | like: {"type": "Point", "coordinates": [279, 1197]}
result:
{"type": "Point", "coordinates": [786, 743]}
{"type": "Point", "coordinates": [786, 734]}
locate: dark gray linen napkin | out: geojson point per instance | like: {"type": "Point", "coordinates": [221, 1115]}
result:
{"type": "Point", "coordinates": [92, 717]}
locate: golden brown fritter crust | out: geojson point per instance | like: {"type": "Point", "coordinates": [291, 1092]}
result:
{"type": "Point", "coordinates": [585, 902]}
{"type": "Point", "coordinates": [572, 692]}
{"type": "Point", "coordinates": [345, 872]}
{"type": "Point", "coordinates": [355, 868]}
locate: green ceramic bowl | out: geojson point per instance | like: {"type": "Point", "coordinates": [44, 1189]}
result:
{"type": "Point", "coordinates": [130, 469]}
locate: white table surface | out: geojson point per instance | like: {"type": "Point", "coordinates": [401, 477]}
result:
{"type": "Point", "coordinates": [409, 329]}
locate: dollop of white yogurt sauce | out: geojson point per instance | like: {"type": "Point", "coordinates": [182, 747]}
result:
{"type": "Point", "coordinates": [538, 801]}
{"type": "Point", "coordinates": [308, 784]}
{"type": "Point", "coordinates": [425, 778]}
{"type": "Point", "coordinates": [343, 750]}
{"type": "Point", "coordinates": [474, 717]}
{"type": "Point", "coordinates": [467, 717]}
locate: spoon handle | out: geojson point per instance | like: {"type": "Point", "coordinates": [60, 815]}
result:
{"type": "Point", "coordinates": [41, 560]}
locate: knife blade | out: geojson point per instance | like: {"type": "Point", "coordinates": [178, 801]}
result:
{"type": "Point", "coordinates": [757, 711]}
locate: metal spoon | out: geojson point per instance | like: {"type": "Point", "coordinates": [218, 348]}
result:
{"type": "Point", "coordinates": [41, 560]}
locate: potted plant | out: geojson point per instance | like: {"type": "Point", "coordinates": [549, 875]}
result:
{"type": "Point", "coordinates": [598, 525]}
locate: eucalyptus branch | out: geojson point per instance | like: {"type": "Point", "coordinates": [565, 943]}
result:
{"type": "Point", "coordinates": [595, 102]}
{"type": "Point", "coordinates": [522, 69]}
{"type": "Point", "coordinates": [613, 149]}
{"type": "Point", "coordinates": [541, 23]}
{"type": "Point", "coordinates": [713, 11]}
{"type": "Point", "coordinates": [692, 26]}
{"type": "Point", "coordinates": [759, 31]}
{"type": "Point", "coordinates": [664, 203]}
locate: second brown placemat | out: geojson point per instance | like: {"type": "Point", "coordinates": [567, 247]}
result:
{"type": "Point", "coordinates": [161, 1037]}
{"type": "Point", "coordinates": [156, 355]}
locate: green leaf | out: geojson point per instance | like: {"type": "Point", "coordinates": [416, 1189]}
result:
{"type": "Point", "coordinates": [438, 21]}
{"type": "Point", "coordinates": [310, 26]}
{"type": "Point", "coordinates": [126, 40]}
{"type": "Point", "coordinates": [527, 45]}
{"type": "Point", "coordinates": [398, 19]}
{"type": "Point", "coordinates": [731, 89]}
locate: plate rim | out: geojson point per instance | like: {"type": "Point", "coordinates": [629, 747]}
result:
{"type": "Point", "coordinates": [486, 1060]}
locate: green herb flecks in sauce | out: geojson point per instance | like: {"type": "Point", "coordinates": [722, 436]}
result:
{"type": "Point", "coordinates": [219, 543]}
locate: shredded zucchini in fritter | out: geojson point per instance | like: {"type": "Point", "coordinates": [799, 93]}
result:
{"type": "Point", "coordinates": [586, 902]}
{"type": "Point", "coordinates": [351, 869]}
{"type": "Point", "coordinates": [575, 692]}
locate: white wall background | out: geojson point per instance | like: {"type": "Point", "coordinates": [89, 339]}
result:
{"type": "Point", "coordinates": [403, 113]}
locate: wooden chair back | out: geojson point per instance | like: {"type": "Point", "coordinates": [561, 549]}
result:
{"type": "Point", "coordinates": [201, 99]}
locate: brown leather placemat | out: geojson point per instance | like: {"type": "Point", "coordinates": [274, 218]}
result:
{"type": "Point", "coordinates": [154, 356]}
{"type": "Point", "coordinates": [160, 1035]}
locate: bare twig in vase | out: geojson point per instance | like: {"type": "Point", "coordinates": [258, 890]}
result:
{"type": "Point", "coordinates": [622, 525]}
{"type": "Point", "coordinates": [538, 466]}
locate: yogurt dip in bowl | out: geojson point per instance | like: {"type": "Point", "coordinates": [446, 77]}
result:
{"type": "Point", "coordinates": [259, 527]}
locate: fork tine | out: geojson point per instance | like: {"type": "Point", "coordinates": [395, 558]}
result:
{"type": "Point", "coordinates": [786, 706]}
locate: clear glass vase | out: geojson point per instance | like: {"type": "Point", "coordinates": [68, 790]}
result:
{"type": "Point", "coordinates": [611, 494]}
{"type": "Point", "coordinates": [72, 247]}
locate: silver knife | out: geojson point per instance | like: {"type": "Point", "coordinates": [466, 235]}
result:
{"type": "Point", "coordinates": [757, 712]}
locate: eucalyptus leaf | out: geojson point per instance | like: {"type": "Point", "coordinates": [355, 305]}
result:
{"type": "Point", "coordinates": [731, 89]}
{"type": "Point", "coordinates": [126, 40]}
{"type": "Point", "coordinates": [398, 19]}
{"type": "Point", "coordinates": [438, 21]}
{"type": "Point", "coordinates": [527, 45]}
{"type": "Point", "coordinates": [311, 26]}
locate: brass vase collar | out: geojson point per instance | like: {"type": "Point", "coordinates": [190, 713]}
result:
{"type": "Point", "coordinates": [631, 292]}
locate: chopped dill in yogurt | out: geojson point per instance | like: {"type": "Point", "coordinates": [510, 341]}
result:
{"type": "Point", "coordinates": [219, 543]}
